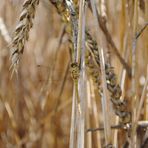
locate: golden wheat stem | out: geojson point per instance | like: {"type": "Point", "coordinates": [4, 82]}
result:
{"type": "Point", "coordinates": [88, 114]}
{"type": "Point", "coordinates": [4, 31]}
{"type": "Point", "coordinates": [75, 117]}
{"type": "Point", "coordinates": [142, 97]}
{"type": "Point", "coordinates": [133, 136]}
{"type": "Point", "coordinates": [103, 8]}
{"type": "Point", "coordinates": [134, 95]}
{"type": "Point", "coordinates": [104, 99]}
{"type": "Point", "coordinates": [95, 112]}
{"type": "Point", "coordinates": [10, 114]}
{"type": "Point", "coordinates": [82, 78]}
{"type": "Point", "coordinates": [73, 128]}
{"type": "Point", "coordinates": [136, 111]}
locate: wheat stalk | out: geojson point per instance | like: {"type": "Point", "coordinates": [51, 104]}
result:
{"type": "Point", "coordinates": [82, 81]}
{"type": "Point", "coordinates": [75, 130]}
{"type": "Point", "coordinates": [134, 66]}
{"type": "Point", "coordinates": [4, 31]}
{"type": "Point", "coordinates": [21, 33]}
{"type": "Point", "coordinates": [105, 95]}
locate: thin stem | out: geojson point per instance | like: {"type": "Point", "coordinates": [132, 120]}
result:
{"type": "Point", "coordinates": [62, 88]}
{"type": "Point", "coordinates": [105, 100]}
{"type": "Point", "coordinates": [90, 96]}
{"type": "Point", "coordinates": [141, 124]}
{"type": "Point", "coordinates": [142, 97]}
{"type": "Point", "coordinates": [133, 136]}
{"type": "Point", "coordinates": [51, 70]}
{"type": "Point", "coordinates": [141, 31]}
{"type": "Point", "coordinates": [95, 112]}
{"type": "Point", "coordinates": [102, 128]}
{"type": "Point", "coordinates": [73, 120]}
{"type": "Point", "coordinates": [82, 78]}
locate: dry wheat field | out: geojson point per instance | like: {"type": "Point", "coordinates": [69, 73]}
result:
{"type": "Point", "coordinates": [73, 74]}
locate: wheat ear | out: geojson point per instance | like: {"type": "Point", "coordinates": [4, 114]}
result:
{"type": "Point", "coordinates": [21, 33]}
{"type": "Point", "coordinates": [114, 89]}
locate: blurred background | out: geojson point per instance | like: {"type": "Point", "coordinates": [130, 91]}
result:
{"type": "Point", "coordinates": [35, 107]}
